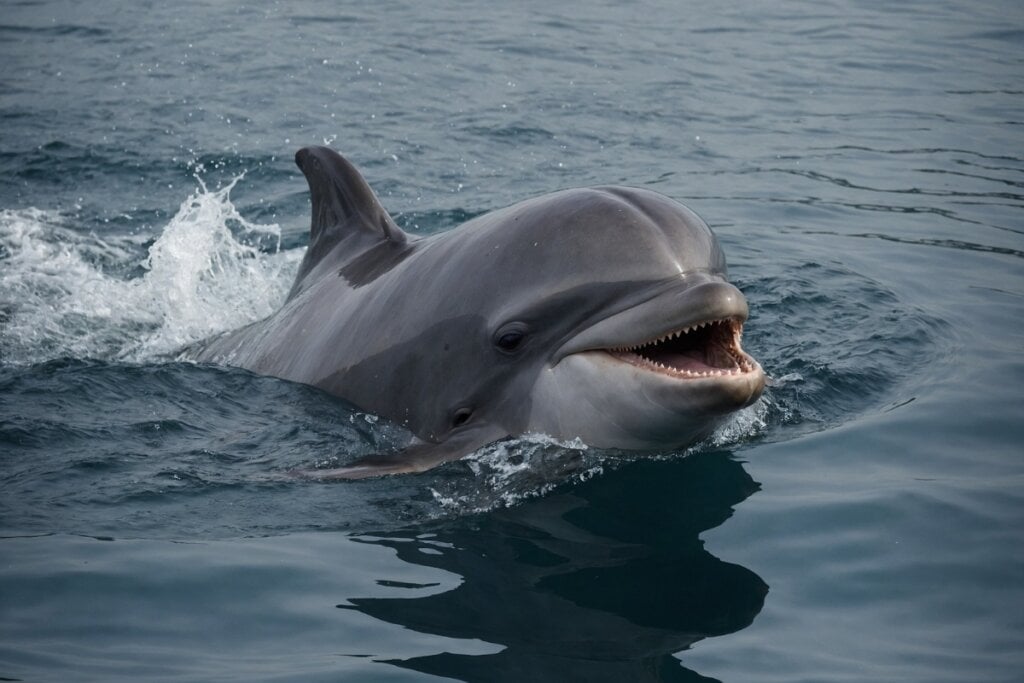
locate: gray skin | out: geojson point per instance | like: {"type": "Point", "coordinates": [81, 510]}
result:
{"type": "Point", "coordinates": [507, 324]}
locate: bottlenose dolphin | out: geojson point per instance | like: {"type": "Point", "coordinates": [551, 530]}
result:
{"type": "Point", "coordinates": [600, 313]}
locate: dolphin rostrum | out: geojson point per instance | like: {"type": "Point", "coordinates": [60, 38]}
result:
{"type": "Point", "coordinates": [600, 313]}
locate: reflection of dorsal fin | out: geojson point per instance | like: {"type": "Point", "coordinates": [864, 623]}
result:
{"type": "Point", "coordinates": [345, 210]}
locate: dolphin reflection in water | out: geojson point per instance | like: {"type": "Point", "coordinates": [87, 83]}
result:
{"type": "Point", "coordinates": [603, 582]}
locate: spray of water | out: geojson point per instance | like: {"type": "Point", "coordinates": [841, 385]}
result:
{"type": "Point", "coordinates": [64, 293]}
{"type": "Point", "coordinates": [59, 296]}
{"type": "Point", "coordinates": [508, 472]}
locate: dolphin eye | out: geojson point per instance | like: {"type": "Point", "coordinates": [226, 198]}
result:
{"type": "Point", "coordinates": [461, 417]}
{"type": "Point", "coordinates": [510, 339]}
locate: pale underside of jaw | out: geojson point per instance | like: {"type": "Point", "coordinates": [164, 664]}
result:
{"type": "Point", "coordinates": [705, 350]}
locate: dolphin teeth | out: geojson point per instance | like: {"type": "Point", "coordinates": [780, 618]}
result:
{"type": "Point", "coordinates": [724, 356]}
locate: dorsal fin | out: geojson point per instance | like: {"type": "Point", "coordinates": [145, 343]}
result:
{"type": "Point", "coordinates": [345, 209]}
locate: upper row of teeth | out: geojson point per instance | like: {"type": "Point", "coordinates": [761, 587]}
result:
{"type": "Point", "coordinates": [670, 335]}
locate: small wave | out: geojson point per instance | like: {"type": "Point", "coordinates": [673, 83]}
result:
{"type": "Point", "coordinates": [507, 473]}
{"type": "Point", "coordinates": [745, 425]}
{"type": "Point", "coordinates": [60, 295]}
{"type": "Point", "coordinates": [57, 30]}
{"type": "Point", "coordinates": [837, 343]}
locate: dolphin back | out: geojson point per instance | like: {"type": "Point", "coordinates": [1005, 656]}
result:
{"type": "Point", "coordinates": [347, 218]}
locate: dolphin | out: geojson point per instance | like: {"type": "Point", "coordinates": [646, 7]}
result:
{"type": "Point", "coordinates": [601, 313]}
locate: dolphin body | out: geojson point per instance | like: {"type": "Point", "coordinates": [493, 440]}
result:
{"type": "Point", "coordinates": [601, 313]}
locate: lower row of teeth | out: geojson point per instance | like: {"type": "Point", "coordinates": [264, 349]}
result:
{"type": "Point", "coordinates": [718, 372]}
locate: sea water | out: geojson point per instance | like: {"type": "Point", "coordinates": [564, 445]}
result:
{"type": "Point", "coordinates": [861, 164]}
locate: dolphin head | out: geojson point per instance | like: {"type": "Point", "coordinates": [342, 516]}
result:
{"type": "Point", "coordinates": [600, 313]}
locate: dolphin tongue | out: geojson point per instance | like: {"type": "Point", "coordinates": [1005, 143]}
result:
{"type": "Point", "coordinates": [687, 362]}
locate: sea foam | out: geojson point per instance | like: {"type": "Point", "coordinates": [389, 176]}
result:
{"type": "Point", "coordinates": [63, 291]}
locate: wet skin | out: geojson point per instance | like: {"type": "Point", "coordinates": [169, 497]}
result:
{"type": "Point", "coordinates": [601, 313]}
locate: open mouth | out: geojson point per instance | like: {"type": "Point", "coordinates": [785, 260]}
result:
{"type": "Point", "coordinates": [708, 349]}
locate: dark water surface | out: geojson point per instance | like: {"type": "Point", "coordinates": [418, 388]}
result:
{"type": "Point", "coordinates": [863, 166]}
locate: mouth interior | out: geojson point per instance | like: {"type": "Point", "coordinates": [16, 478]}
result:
{"type": "Point", "coordinates": [708, 349]}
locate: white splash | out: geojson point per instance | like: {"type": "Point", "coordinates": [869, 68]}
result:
{"type": "Point", "coordinates": [505, 473]}
{"type": "Point", "coordinates": [742, 426]}
{"type": "Point", "coordinates": [508, 472]}
{"type": "Point", "coordinates": [61, 293]}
